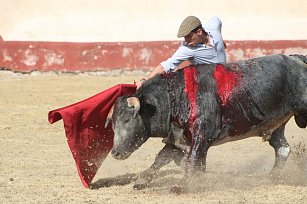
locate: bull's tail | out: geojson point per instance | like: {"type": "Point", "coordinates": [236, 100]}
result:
{"type": "Point", "coordinates": [301, 119]}
{"type": "Point", "coordinates": [301, 116]}
{"type": "Point", "coordinates": [302, 58]}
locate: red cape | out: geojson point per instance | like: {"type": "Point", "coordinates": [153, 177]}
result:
{"type": "Point", "coordinates": [88, 140]}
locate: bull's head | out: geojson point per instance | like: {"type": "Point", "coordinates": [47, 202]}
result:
{"type": "Point", "coordinates": [128, 126]}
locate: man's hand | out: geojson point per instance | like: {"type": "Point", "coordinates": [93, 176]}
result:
{"type": "Point", "coordinates": [139, 83]}
{"type": "Point", "coordinates": [158, 70]}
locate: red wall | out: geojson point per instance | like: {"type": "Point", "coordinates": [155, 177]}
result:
{"type": "Point", "coordinates": [26, 56]}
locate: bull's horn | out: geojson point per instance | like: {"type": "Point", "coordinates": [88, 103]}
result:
{"type": "Point", "coordinates": [109, 117]}
{"type": "Point", "coordinates": [135, 103]}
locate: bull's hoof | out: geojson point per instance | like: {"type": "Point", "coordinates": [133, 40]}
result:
{"type": "Point", "coordinates": [179, 189]}
{"type": "Point", "coordinates": [178, 160]}
{"type": "Point", "coordinates": [140, 184]}
{"type": "Point", "coordinates": [276, 175]}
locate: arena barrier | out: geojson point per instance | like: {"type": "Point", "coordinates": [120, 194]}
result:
{"type": "Point", "coordinates": [28, 56]}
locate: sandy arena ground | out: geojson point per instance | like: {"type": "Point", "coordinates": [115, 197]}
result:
{"type": "Point", "coordinates": [36, 165]}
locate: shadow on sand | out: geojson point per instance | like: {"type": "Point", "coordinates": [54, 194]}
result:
{"type": "Point", "coordinates": [245, 178]}
{"type": "Point", "coordinates": [126, 179]}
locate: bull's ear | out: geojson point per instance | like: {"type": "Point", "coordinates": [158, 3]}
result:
{"type": "Point", "coordinates": [134, 103]}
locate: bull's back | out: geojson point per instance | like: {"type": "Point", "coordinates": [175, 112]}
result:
{"type": "Point", "coordinates": [247, 98]}
{"type": "Point", "coordinates": [269, 93]}
{"type": "Point", "coordinates": [254, 96]}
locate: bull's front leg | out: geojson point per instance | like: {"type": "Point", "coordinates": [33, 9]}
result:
{"type": "Point", "coordinates": [195, 163]}
{"type": "Point", "coordinates": [164, 157]}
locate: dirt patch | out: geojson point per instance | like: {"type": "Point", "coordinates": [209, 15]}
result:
{"type": "Point", "coordinates": [36, 165]}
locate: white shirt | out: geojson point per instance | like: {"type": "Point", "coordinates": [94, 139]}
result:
{"type": "Point", "coordinates": [201, 53]}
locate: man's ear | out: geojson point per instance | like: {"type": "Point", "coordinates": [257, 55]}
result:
{"type": "Point", "coordinates": [199, 31]}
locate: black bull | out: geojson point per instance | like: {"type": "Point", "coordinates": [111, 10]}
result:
{"type": "Point", "coordinates": [210, 105]}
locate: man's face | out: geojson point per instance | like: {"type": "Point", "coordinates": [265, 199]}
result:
{"type": "Point", "coordinates": [193, 38]}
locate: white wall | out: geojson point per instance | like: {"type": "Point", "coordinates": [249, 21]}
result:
{"type": "Point", "coordinates": [148, 20]}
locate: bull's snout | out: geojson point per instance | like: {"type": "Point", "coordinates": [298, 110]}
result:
{"type": "Point", "coordinates": [119, 156]}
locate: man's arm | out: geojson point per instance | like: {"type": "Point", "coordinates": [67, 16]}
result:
{"type": "Point", "coordinates": [183, 53]}
{"type": "Point", "coordinates": [158, 70]}
{"type": "Point", "coordinates": [213, 23]}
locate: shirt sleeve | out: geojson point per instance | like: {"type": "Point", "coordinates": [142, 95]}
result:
{"type": "Point", "coordinates": [213, 23]}
{"type": "Point", "coordinates": [183, 53]}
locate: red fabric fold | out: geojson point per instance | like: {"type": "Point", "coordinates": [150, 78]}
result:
{"type": "Point", "coordinates": [88, 140]}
